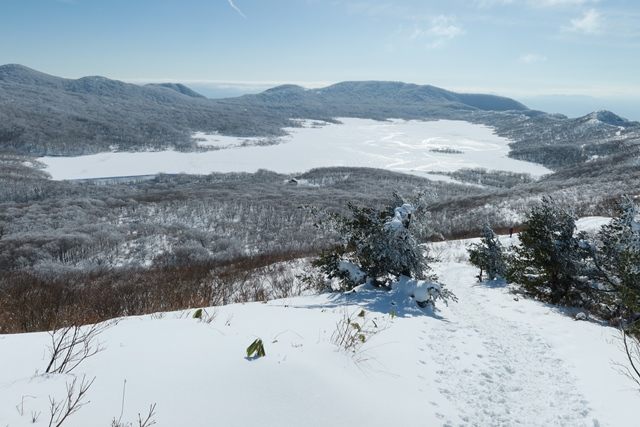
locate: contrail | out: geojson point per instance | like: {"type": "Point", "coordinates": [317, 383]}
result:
{"type": "Point", "coordinates": [236, 8]}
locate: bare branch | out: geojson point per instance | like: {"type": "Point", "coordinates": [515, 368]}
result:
{"type": "Point", "coordinates": [72, 345]}
{"type": "Point", "coordinates": [60, 411]}
{"type": "Point", "coordinates": [633, 355]}
{"type": "Point", "coordinates": [149, 420]}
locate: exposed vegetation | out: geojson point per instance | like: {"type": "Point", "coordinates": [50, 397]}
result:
{"type": "Point", "coordinates": [488, 255]}
{"type": "Point", "coordinates": [377, 246]}
{"type": "Point", "coordinates": [553, 262]}
{"type": "Point", "coordinates": [548, 262]}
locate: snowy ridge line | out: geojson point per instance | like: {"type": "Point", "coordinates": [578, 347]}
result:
{"type": "Point", "coordinates": [147, 177]}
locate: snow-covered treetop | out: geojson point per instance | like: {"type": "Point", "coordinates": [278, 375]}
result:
{"type": "Point", "coordinates": [630, 214]}
{"type": "Point", "coordinates": [401, 217]}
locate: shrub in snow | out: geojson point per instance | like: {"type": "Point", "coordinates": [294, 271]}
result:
{"type": "Point", "coordinates": [617, 262]}
{"type": "Point", "coordinates": [147, 421]}
{"type": "Point", "coordinates": [354, 330]}
{"type": "Point", "coordinates": [335, 266]}
{"type": "Point", "coordinates": [632, 350]}
{"type": "Point", "coordinates": [581, 316]}
{"type": "Point", "coordinates": [60, 410]}
{"type": "Point", "coordinates": [72, 345]}
{"type": "Point", "coordinates": [424, 292]}
{"type": "Point", "coordinates": [549, 261]}
{"type": "Point", "coordinates": [376, 246]}
{"type": "Point", "coordinates": [487, 255]}
{"type": "Point", "coordinates": [203, 316]}
{"type": "Point", "coordinates": [256, 349]}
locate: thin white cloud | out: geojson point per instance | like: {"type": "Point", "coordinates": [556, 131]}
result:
{"type": "Point", "coordinates": [441, 29]}
{"type": "Point", "coordinates": [532, 58]}
{"type": "Point", "coordinates": [590, 22]}
{"type": "Point", "coordinates": [236, 8]}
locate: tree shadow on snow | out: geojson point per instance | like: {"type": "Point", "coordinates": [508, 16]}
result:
{"type": "Point", "coordinates": [572, 313]}
{"type": "Point", "coordinates": [378, 301]}
{"type": "Point", "coordinates": [493, 284]}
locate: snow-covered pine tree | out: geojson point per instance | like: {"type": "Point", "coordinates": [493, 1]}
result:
{"type": "Point", "coordinates": [549, 261]}
{"type": "Point", "coordinates": [377, 243]}
{"type": "Point", "coordinates": [379, 247]}
{"type": "Point", "coordinates": [399, 251]}
{"type": "Point", "coordinates": [618, 261]}
{"type": "Point", "coordinates": [488, 255]}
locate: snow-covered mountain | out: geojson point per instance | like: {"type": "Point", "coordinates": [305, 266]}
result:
{"type": "Point", "coordinates": [44, 115]}
{"type": "Point", "coordinates": [604, 117]}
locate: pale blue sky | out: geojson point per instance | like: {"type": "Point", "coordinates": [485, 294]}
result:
{"type": "Point", "coordinates": [513, 47]}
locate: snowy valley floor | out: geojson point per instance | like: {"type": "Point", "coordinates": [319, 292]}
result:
{"type": "Point", "coordinates": [489, 360]}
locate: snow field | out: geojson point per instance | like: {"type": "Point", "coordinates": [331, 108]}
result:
{"type": "Point", "coordinates": [489, 360]}
{"type": "Point", "coordinates": [397, 145]}
{"type": "Point", "coordinates": [214, 140]}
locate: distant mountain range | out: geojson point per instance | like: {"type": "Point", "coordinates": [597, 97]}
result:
{"type": "Point", "coordinates": [42, 115]}
{"type": "Point", "coordinates": [579, 105]}
{"type": "Point", "coordinates": [354, 95]}
{"type": "Point", "coordinates": [180, 88]}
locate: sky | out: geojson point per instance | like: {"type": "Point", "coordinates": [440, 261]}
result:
{"type": "Point", "coordinates": [528, 49]}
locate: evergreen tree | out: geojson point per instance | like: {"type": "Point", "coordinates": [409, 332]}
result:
{"type": "Point", "coordinates": [488, 255]}
{"type": "Point", "coordinates": [618, 261]}
{"type": "Point", "coordinates": [549, 261]}
{"type": "Point", "coordinates": [379, 243]}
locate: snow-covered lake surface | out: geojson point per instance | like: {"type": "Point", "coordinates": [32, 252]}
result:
{"type": "Point", "coordinates": [490, 359]}
{"type": "Point", "coordinates": [398, 145]}
{"type": "Point", "coordinates": [214, 140]}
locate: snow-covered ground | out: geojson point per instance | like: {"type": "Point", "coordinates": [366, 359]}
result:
{"type": "Point", "coordinates": [214, 140]}
{"type": "Point", "coordinates": [592, 224]}
{"type": "Point", "coordinates": [489, 360]}
{"type": "Point", "coordinates": [398, 145]}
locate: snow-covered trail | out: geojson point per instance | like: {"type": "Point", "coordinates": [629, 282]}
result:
{"type": "Point", "coordinates": [498, 371]}
{"type": "Point", "coordinates": [505, 360]}
{"type": "Point", "coordinates": [488, 360]}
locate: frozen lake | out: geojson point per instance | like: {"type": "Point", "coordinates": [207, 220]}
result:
{"type": "Point", "coordinates": [415, 147]}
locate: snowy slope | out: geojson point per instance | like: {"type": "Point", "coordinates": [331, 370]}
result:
{"type": "Point", "coordinates": [488, 360]}
{"type": "Point", "coordinates": [592, 224]}
{"type": "Point", "coordinates": [398, 145]}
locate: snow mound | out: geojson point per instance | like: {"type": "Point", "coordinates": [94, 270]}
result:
{"type": "Point", "coordinates": [356, 275]}
{"type": "Point", "coordinates": [592, 224]}
{"type": "Point", "coordinates": [422, 291]}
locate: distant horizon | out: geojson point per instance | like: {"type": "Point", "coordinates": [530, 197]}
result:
{"type": "Point", "coordinates": [571, 105]}
{"type": "Point", "coordinates": [251, 86]}
{"type": "Point", "coordinates": [515, 48]}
